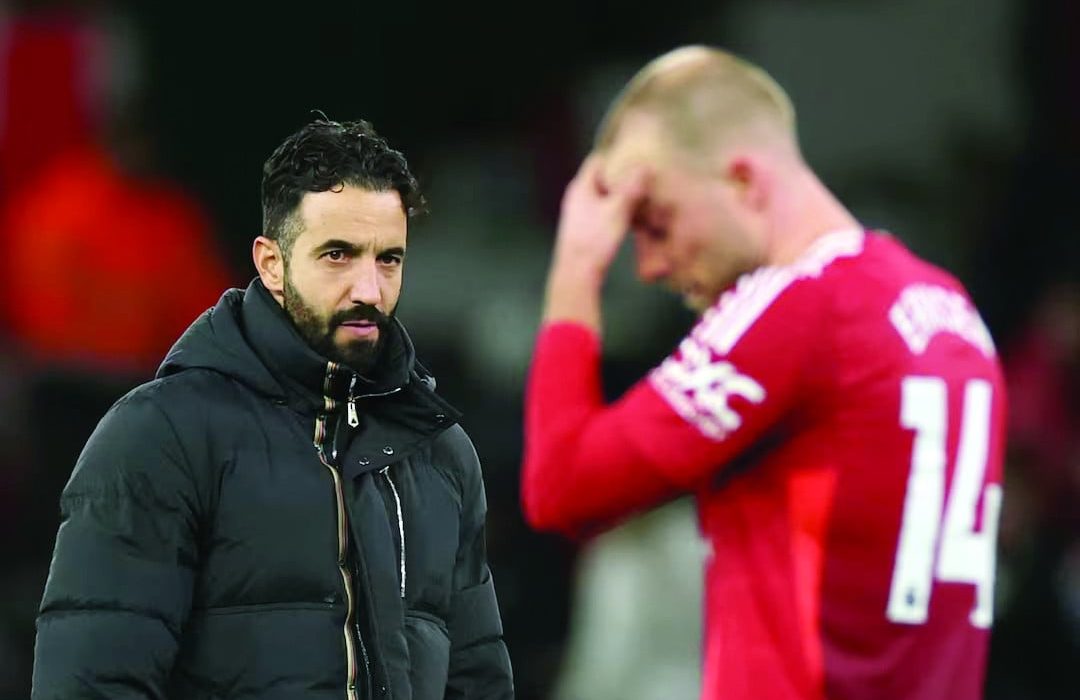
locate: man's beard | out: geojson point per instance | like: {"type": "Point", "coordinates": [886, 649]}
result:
{"type": "Point", "coordinates": [357, 353]}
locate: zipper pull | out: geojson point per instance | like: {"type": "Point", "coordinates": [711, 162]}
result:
{"type": "Point", "coordinates": [354, 419]}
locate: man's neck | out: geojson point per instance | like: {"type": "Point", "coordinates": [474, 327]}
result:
{"type": "Point", "coordinates": [811, 212]}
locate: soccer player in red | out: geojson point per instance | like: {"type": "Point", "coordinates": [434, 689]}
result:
{"type": "Point", "coordinates": [837, 412]}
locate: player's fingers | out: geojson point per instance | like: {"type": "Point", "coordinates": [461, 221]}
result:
{"type": "Point", "coordinates": [630, 192]}
{"type": "Point", "coordinates": [586, 174]}
{"type": "Point", "coordinates": [586, 189]}
{"type": "Point", "coordinates": [591, 175]}
{"type": "Point", "coordinates": [583, 179]}
{"type": "Point", "coordinates": [590, 167]}
{"type": "Point", "coordinates": [638, 181]}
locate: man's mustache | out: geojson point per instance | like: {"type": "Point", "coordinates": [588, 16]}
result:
{"type": "Point", "coordinates": [360, 313]}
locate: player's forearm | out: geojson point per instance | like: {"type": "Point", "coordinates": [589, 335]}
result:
{"type": "Point", "coordinates": [581, 472]}
{"type": "Point", "coordinates": [573, 295]}
{"type": "Point", "coordinates": [563, 391]}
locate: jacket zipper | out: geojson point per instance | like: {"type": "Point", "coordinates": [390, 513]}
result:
{"type": "Point", "coordinates": [354, 419]}
{"type": "Point", "coordinates": [350, 402]}
{"type": "Point", "coordinates": [351, 621]}
{"type": "Point", "coordinates": [401, 525]}
{"type": "Point", "coordinates": [343, 549]}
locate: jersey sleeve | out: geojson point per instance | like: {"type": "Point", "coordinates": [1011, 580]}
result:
{"type": "Point", "coordinates": [733, 379]}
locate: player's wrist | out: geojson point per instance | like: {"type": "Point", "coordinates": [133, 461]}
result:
{"type": "Point", "coordinates": [577, 272]}
{"type": "Point", "coordinates": [573, 294]}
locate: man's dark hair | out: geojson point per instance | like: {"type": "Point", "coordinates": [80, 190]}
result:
{"type": "Point", "coordinates": [327, 155]}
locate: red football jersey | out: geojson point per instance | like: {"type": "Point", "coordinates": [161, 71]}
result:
{"type": "Point", "coordinates": [841, 423]}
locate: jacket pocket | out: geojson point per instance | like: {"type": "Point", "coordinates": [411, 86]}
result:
{"type": "Point", "coordinates": [429, 655]}
{"type": "Point", "coordinates": [268, 651]}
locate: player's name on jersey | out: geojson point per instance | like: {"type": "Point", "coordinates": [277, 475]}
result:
{"type": "Point", "coordinates": [925, 310]}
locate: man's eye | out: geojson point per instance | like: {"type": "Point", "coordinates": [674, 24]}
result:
{"type": "Point", "coordinates": [391, 259]}
{"type": "Point", "coordinates": [335, 255]}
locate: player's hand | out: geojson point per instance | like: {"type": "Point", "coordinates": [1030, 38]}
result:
{"type": "Point", "coordinates": [595, 218]}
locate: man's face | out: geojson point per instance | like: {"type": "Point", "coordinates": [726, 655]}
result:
{"type": "Point", "coordinates": [691, 231]}
{"type": "Point", "coordinates": [343, 275]}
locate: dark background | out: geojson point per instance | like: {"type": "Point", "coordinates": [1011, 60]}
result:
{"type": "Point", "coordinates": [954, 124]}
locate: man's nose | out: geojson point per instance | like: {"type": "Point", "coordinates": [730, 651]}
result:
{"type": "Point", "coordinates": [365, 284]}
{"type": "Point", "coordinates": [652, 264]}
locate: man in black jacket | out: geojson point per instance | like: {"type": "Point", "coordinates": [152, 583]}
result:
{"type": "Point", "coordinates": [288, 510]}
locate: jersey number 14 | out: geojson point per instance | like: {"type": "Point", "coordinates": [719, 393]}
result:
{"type": "Point", "coordinates": [938, 539]}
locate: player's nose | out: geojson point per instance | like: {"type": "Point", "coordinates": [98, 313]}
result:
{"type": "Point", "coordinates": [652, 264]}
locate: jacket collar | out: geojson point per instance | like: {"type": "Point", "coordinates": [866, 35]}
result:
{"type": "Point", "coordinates": [311, 382]}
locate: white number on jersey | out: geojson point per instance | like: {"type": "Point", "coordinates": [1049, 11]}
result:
{"type": "Point", "coordinates": [963, 555]}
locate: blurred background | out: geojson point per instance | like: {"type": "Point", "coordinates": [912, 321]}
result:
{"type": "Point", "coordinates": [131, 142]}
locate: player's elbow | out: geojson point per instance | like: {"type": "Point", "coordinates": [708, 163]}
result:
{"type": "Point", "coordinates": [542, 510]}
{"type": "Point", "coordinates": [538, 514]}
{"type": "Point", "coordinates": [550, 497]}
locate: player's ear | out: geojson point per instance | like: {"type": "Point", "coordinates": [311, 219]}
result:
{"type": "Point", "coordinates": [748, 178]}
{"type": "Point", "coordinates": [270, 264]}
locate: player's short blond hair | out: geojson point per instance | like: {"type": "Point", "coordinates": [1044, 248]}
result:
{"type": "Point", "coordinates": [701, 95]}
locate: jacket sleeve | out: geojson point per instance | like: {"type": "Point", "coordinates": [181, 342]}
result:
{"type": "Point", "coordinates": [120, 584]}
{"type": "Point", "coordinates": [479, 662]}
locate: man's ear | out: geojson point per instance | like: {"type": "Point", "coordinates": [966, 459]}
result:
{"type": "Point", "coordinates": [750, 183]}
{"type": "Point", "coordinates": [270, 264]}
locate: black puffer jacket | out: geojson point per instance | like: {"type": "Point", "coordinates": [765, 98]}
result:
{"type": "Point", "coordinates": [241, 528]}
